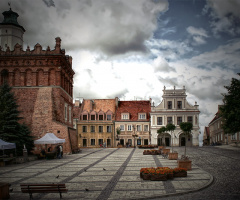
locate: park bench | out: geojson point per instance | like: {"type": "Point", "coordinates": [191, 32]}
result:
{"type": "Point", "coordinates": [43, 188]}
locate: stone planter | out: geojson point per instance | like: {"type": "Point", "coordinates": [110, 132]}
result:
{"type": "Point", "coordinates": [173, 156]}
{"type": "Point", "coordinates": [155, 177]}
{"type": "Point", "coordinates": [147, 153]}
{"type": "Point", "coordinates": [165, 151]}
{"type": "Point", "coordinates": [146, 176]}
{"type": "Point", "coordinates": [170, 176]}
{"type": "Point", "coordinates": [180, 174]}
{"type": "Point", "coordinates": [185, 164]}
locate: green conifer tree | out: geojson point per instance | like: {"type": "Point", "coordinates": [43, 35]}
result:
{"type": "Point", "coordinates": [10, 129]}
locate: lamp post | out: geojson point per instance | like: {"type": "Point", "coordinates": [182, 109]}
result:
{"type": "Point", "coordinates": [134, 135]}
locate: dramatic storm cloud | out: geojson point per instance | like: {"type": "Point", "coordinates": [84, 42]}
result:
{"type": "Point", "coordinates": [131, 49]}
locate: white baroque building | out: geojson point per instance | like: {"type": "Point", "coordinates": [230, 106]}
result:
{"type": "Point", "coordinates": [174, 109]}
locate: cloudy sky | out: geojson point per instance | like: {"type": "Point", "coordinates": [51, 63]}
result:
{"type": "Point", "coordinates": [131, 49]}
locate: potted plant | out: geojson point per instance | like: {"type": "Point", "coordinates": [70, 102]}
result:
{"type": "Point", "coordinates": [174, 155]}
{"type": "Point", "coordinates": [185, 162]}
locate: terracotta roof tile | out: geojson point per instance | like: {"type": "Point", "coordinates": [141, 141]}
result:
{"type": "Point", "coordinates": [133, 108]}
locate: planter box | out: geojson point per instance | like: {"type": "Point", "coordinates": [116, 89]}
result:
{"type": "Point", "coordinates": [146, 176]}
{"type": "Point", "coordinates": [147, 153]}
{"type": "Point", "coordinates": [4, 191]}
{"type": "Point", "coordinates": [170, 176]}
{"type": "Point", "coordinates": [185, 164]}
{"type": "Point", "coordinates": [173, 156]}
{"type": "Point", "coordinates": [158, 177]}
{"type": "Point", "coordinates": [180, 174]}
{"type": "Point", "coordinates": [161, 147]}
{"type": "Point", "coordinates": [165, 151]}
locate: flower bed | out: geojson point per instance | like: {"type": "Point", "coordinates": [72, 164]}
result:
{"type": "Point", "coordinates": [162, 173]}
{"type": "Point", "coordinates": [151, 152]}
{"type": "Point", "coordinates": [147, 146]}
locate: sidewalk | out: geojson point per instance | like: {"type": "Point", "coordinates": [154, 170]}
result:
{"type": "Point", "coordinates": [231, 147]}
{"type": "Point", "coordinates": [107, 173]}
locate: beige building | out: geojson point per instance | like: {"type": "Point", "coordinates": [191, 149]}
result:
{"type": "Point", "coordinates": [175, 109]}
{"type": "Point", "coordinates": [95, 122]}
{"type": "Point", "coordinates": [133, 119]}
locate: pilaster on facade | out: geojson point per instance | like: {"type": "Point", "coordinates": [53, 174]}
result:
{"type": "Point", "coordinates": [175, 109]}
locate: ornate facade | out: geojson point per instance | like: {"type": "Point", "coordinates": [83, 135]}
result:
{"type": "Point", "coordinates": [175, 109]}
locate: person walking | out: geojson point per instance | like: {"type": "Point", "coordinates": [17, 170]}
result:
{"type": "Point", "coordinates": [60, 151]}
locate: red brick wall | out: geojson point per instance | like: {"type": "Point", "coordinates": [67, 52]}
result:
{"type": "Point", "coordinates": [42, 81]}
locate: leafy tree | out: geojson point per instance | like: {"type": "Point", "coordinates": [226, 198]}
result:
{"type": "Point", "coordinates": [230, 110]}
{"type": "Point", "coordinates": [10, 129]}
{"type": "Point", "coordinates": [171, 127]}
{"type": "Point", "coordinates": [186, 127]}
{"type": "Point", "coordinates": [162, 131]}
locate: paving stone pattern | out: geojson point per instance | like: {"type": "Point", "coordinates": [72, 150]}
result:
{"type": "Point", "coordinates": [110, 173]}
{"type": "Point", "coordinates": [223, 163]}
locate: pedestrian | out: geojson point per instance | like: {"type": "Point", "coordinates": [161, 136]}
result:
{"type": "Point", "coordinates": [49, 149]}
{"type": "Point", "coordinates": [104, 145]}
{"type": "Point", "coordinates": [61, 151]}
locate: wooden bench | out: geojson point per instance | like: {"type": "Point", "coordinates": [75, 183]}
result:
{"type": "Point", "coordinates": [43, 188]}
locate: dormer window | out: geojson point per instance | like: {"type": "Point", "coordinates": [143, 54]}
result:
{"type": "Point", "coordinates": [142, 116]}
{"type": "Point", "coordinates": [93, 117]}
{"type": "Point", "coordinates": [84, 117]}
{"type": "Point", "coordinates": [109, 117]}
{"type": "Point", "coordinates": [125, 116]}
{"type": "Point", "coordinates": [100, 117]}
{"type": "Point", "coordinates": [169, 104]}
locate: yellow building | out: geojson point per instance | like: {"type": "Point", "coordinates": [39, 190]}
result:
{"type": "Point", "coordinates": [95, 122]}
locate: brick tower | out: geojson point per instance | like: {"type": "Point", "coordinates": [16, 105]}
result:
{"type": "Point", "coordinates": [42, 82]}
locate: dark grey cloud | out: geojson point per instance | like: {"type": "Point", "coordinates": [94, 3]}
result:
{"type": "Point", "coordinates": [49, 3]}
{"type": "Point", "coordinates": [108, 27]}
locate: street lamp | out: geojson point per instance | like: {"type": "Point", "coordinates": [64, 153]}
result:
{"type": "Point", "coordinates": [134, 135]}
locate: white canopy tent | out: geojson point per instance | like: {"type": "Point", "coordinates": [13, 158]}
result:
{"type": "Point", "coordinates": [7, 145]}
{"type": "Point", "coordinates": [49, 138]}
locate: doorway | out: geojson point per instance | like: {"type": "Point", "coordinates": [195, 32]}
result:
{"type": "Point", "coordinates": [108, 142]}
{"type": "Point", "coordinates": [84, 142]}
{"type": "Point", "coordinates": [145, 141]}
{"type": "Point", "coordinates": [122, 142]}
{"type": "Point", "coordinates": [167, 141]}
{"type": "Point", "coordinates": [183, 141]}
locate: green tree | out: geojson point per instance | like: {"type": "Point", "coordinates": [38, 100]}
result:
{"type": "Point", "coordinates": [171, 127]}
{"type": "Point", "coordinates": [230, 110]}
{"type": "Point", "coordinates": [162, 131]}
{"type": "Point", "coordinates": [10, 129]}
{"type": "Point", "coordinates": [186, 127]}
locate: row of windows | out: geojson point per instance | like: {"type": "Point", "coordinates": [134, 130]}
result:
{"type": "Point", "coordinates": [130, 127]}
{"type": "Point", "coordinates": [93, 130]}
{"type": "Point", "coordinates": [170, 120]}
{"type": "Point", "coordinates": [126, 116]}
{"type": "Point", "coordinates": [97, 117]}
{"type": "Point", "coordinates": [179, 104]}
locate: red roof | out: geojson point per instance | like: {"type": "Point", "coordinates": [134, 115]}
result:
{"type": "Point", "coordinates": [133, 108]}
